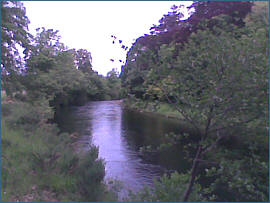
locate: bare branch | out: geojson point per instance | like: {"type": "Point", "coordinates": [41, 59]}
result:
{"type": "Point", "coordinates": [210, 116]}
{"type": "Point", "coordinates": [212, 146]}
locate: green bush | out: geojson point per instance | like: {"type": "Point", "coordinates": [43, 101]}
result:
{"type": "Point", "coordinates": [26, 115]}
{"type": "Point", "coordinates": [90, 174]}
{"type": "Point", "coordinates": [167, 189]}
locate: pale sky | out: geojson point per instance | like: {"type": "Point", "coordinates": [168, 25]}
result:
{"type": "Point", "coordinates": [90, 24]}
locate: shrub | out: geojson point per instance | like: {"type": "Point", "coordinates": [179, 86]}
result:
{"type": "Point", "coordinates": [167, 189]}
{"type": "Point", "coordinates": [90, 173]}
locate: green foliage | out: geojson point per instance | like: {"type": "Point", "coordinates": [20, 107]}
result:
{"type": "Point", "coordinates": [64, 76]}
{"type": "Point", "coordinates": [83, 60]}
{"type": "Point", "coordinates": [217, 79]}
{"type": "Point", "coordinates": [38, 162]}
{"type": "Point", "coordinates": [113, 84]}
{"type": "Point", "coordinates": [14, 35]}
{"type": "Point", "coordinates": [26, 115]}
{"type": "Point", "coordinates": [35, 155]}
{"type": "Point", "coordinates": [167, 189]}
{"type": "Point", "coordinates": [49, 70]}
{"type": "Point", "coordinates": [90, 174]}
{"type": "Point", "coordinates": [234, 182]}
{"type": "Point", "coordinates": [212, 68]}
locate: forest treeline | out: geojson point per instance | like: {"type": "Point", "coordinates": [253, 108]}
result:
{"type": "Point", "coordinates": [210, 70]}
{"type": "Point", "coordinates": [48, 70]}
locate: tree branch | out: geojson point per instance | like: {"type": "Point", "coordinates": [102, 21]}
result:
{"type": "Point", "coordinates": [193, 174]}
{"type": "Point", "coordinates": [235, 124]}
{"type": "Point", "coordinates": [182, 112]}
{"type": "Point", "coordinates": [212, 146]}
{"type": "Point", "coordinates": [210, 116]}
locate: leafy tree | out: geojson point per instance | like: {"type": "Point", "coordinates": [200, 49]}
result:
{"type": "Point", "coordinates": [213, 83]}
{"type": "Point", "coordinates": [83, 60]}
{"type": "Point", "coordinates": [46, 48]}
{"type": "Point", "coordinates": [113, 84]}
{"type": "Point", "coordinates": [143, 55]}
{"type": "Point", "coordinates": [172, 28]}
{"type": "Point", "coordinates": [61, 75]}
{"type": "Point", "coordinates": [14, 36]}
{"type": "Point", "coordinates": [51, 72]}
{"type": "Point", "coordinates": [215, 75]}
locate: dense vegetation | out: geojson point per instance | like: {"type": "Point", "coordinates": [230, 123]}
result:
{"type": "Point", "coordinates": [210, 71]}
{"type": "Point", "coordinates": [213, 70]}
{"type": "Point", "coordinates": [38, 162]}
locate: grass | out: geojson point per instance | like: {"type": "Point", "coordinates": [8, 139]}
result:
{"type": "Point", "coordinates": [169, 111]}
{"type": "Point", "coordinates": [39, 164]}
{"type": "Point", "coordinates": [163, 109]}
{"type": "Point", "coordinates": [27, 165]}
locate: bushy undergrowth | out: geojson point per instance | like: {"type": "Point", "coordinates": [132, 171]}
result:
{"type": "Point", "coordinates": [167, 189]}
{"type": "Point", "coordinates": [38, 162]}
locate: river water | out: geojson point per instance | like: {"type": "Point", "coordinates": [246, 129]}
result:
{"type": "Point", "coordinates": [119, 133]}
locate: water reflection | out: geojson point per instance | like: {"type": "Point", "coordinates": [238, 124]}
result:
{"type": "Point", "coordinates": [119, 133]}
{"type": "Point", "coordinates": [121, 157]}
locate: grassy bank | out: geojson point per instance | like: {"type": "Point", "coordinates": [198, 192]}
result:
{"type": "Point", "coordinates": [163, 109]}
{"type": "Point", "coordinates": [160, 109]}
{"type": "Point", "coordinates": [39, 163]}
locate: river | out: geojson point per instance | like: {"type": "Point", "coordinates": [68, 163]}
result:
{"type": "Point", "coordinates": [119, 133]}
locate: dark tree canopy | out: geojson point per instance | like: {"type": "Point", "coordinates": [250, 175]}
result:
{"type": "Point", "coordinates": [172, 28]}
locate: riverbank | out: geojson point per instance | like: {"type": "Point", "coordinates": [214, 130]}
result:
{"type": "Point", "coordinates": [243, 152]}
{"type": "Point", "coordinates": [40, 164]}
{"type": "Point", "coordinates": [168, 111]}
{"type": "Point", "coordinates": [158, 108]}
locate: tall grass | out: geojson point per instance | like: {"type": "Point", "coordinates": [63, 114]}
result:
{"type": "Point", "coordinates": [160, 108]}
{"type": "Point", "coordinates": [38, 162]}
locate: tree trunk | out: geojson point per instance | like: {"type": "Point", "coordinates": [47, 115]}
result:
{"type": "Point", "coordinates": [193, 174]}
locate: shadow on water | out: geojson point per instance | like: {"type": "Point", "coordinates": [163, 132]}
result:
{"type": "Point", "coordinates": [119, 133]}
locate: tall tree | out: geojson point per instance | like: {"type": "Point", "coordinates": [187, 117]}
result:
{"type": "Point", "coordinates": [14, 38]}
{"type": "Point", "coordinates": [46, 47]}
{"type": "Point", "coordinates": [83, 60]}
{"type": "Point", "coordinates": [172, 28]}
{"type": "Point", "coordinates": [143, 55]}
{"type": "Point", "coordinates": [214, 72]}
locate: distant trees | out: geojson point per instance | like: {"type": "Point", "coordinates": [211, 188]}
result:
{"type": "Point", "coordinates": [48, 69]}
{"type": "Point", "coordinates": [114, 84]}
{"type": "Point", "coordinates": [83, 60]}
{"type": "Point", "coordinates": [62, 75]}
